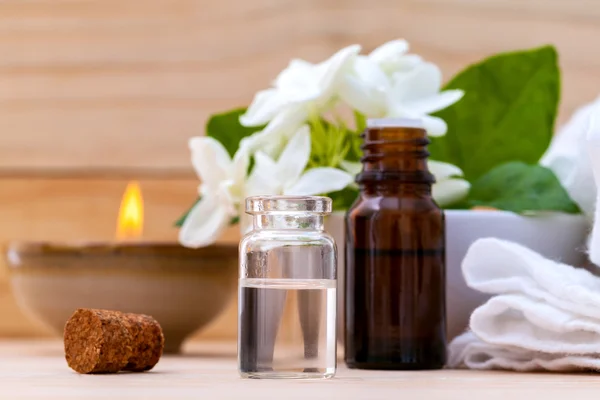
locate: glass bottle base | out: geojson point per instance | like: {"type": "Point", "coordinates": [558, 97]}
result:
{"type": "Point", "coordinates": [326, 374]}
{"type": "Point", "coordinates": [395, 366]}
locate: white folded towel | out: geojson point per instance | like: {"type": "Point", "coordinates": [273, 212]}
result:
{"type": "Point", "coordinates": [470, 352]}
{"type": "Point", "coordinates": [545, 315]}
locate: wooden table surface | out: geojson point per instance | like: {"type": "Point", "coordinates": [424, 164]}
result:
{"type": "Point", "coordinates": [37, 370]}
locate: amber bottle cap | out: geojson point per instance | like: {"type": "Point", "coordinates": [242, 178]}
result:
{"type": "Point", "coordinates": [394, 123]}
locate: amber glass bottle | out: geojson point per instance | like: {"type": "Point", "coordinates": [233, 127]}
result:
{"type": "Point", "coordinates": [395, 255]}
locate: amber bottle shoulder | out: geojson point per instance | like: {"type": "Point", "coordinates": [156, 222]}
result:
{"type": "Point", "coordinates": [369, 205]}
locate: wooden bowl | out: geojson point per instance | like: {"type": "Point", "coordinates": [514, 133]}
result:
{"type": "Point", "coordinates": [184, 289]}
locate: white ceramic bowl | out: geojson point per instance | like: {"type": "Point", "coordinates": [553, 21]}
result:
{"type": "Point", "coordinates": [554, 235]}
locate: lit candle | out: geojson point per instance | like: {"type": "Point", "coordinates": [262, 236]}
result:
{"type": "Point", "coordinates": [130, 223]}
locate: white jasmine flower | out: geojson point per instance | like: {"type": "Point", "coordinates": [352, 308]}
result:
{"type": "Point", "coordinates": [277, 133]}
{"type": "Point", "coordinates": [286, 176]}
{"type": "Point", "coordinates": [448, 189]}
{"type": "Point", "coordinates": [392, 57]}
{"type": "Point", "coordinates": [221, 191]}
{"type": "Point", "coordinates": [366, 88]}
{"type": "Point", "coordinates": [390, 83]}
{"type": "Point", "coordinates": [416, 93]}
{"type": "Point", "coordinates": [299, 91]}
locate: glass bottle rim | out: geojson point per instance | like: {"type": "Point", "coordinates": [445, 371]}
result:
{"type": "Point", "coordinates": [288, 204]}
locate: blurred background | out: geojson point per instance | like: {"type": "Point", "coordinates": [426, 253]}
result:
{"type": "Point", "coordinates": [95, 93]}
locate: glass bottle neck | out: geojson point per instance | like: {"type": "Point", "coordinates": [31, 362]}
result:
{"type": "Point", "coordinates": [396, 156]}
{"type": "Point", "coordinates": [294, 221]}
{"type": "Point", "coordinates": [394, 188]}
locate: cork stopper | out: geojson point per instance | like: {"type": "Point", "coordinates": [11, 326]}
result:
{"type": "Point", "coordinates": [103, 341]}
{"type": "Point", "coordinates": [147, 342]}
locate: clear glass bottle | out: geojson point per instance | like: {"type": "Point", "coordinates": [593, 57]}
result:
{"type": "Point", "coordinates": [287, 290]}
{"type": "Point", "coordinates": [395, 255]}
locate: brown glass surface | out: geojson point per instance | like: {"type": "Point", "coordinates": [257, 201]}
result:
{"type": "Point", "coordinates": [395, 272]}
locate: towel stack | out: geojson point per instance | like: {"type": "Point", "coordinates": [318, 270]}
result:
{"type": "Point", "coordinates": [544, 315]}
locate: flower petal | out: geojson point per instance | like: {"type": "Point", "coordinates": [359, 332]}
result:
{"type": "Point", "coordinates": [295, 75]}
{"type": "Point", "coordinates": [351, 167]}
{"type": "Point", "coordinates": [262, 180]}
{"type": "Point", "coordinates": [259, 185]}
{"type": "Point", "coordinates": [241, 161]}
{"type": "Point", "coordinates": [424, 80]}
{"type": "Point", "coordinates": [359, 96]}
{"type": "Point", "coordinates": [431, 104]}
{"type": "Point", "coordinates": [442, 170]}
{"type": "Point", "coordinates": [294, 157]}
{"type": "Point", "coordinates": [329, 70]}
{"type": "Point", "coordinates": [320, 181]}
{"type": "Point", "coordinates": [434, 126]}
{"type": "Point", "coordinates": [366, 88]}
{"type": "Point", "coordinates": [371, 74]}
{"type": "Point", "coordinates": [389, 52]}
{"type": "Point", "coordinates": [253, 142]}
{"type": "Point", "coordinates": [264, 107]}
{"type": "Point", "coordinates": [450, 191]}
{"type": "Point", "coordinates": [391, 57]}
{"type": "Point", "coordinates": [210, 160]}
{"type": "Point", "coordinates": [271, 139]}
{"type": "Point", "coordinates": [405, 63]}
{"type": "Point", "coordinates": [262, 162]}
{"type": "Point", "coordinates": [204, 223]}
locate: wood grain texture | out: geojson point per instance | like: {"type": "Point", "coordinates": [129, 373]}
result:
{"type": "Point", "coordinates": [34, 370]}
{"type": "Point", "coordinates": [123, 84]}
{"type": "Point", "coordinates": [86, 210]}
{"type": "Point", "coordinates": [96, 92]}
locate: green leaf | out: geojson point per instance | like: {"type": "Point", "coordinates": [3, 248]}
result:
{"type": "Point", "coordinates": [226, 128]}
{"type": "Point", "coordinates": [518, 187]}
{"type": "Point", "coordinates": [181, 219]}
{"type": "Point", "coordinates": [507, 113]}
{"type": "Point", "coordinates": [343, 199]}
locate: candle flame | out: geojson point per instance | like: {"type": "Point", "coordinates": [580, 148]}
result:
{"type": "Point", "coordinates": [131, 214]}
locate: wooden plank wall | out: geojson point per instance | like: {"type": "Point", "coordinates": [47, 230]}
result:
{"type": "Point", "coordinates": [94, 93]}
